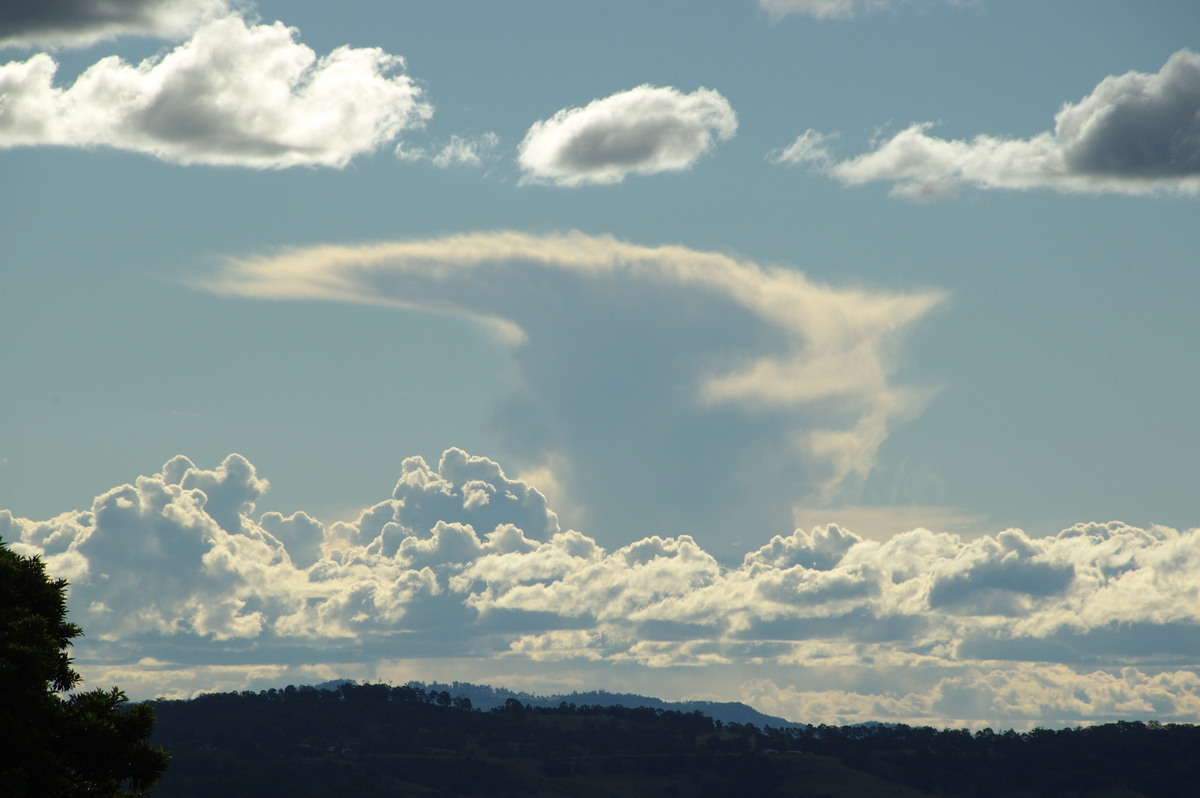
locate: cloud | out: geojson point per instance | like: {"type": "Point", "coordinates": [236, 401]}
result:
{"type": "Point", "coordinates": [829, 9]}
{"type": "Point", "coordinates": [821, 550]}
{"type": "Point", "coordinates": [78, 23]}
{"type": "Point", "coordinates": [470, 490]}
{"type": "Point", "coordinates": [1003, 580]}
{"type": "Point", "coordinates": [634, 359]}
{"type": "Point", "coordinates": [465, 151]}
{"type": "Point", "coordinates": [822, 9]}
{"type": "Point", "coordinates": [458, 151]}
{"type": "Point", "coordinates": [233, 95]}
{"type": "Point", "coordinates": [163, 556]}
{"type": "Point", "coordinates": [810, 147]}
{"type": "Point", "coordinates": [1135, 133]}
{"type": "Point", "coordinates": [882, 523]}
{"type": "Point", "coordinates": [1024, 697]}
{"type": "Point", "coordinates": [172, 575]}
{"type": "Point", "coordinates": [642, 131]}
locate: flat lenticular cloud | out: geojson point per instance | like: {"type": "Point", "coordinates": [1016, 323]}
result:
{"type": "Point", "coordinates": [174, 578]}
{"type": "Point", "coordinates": [234, 94]}
{"type": "Point", "coordinates": [1135, 133]}
{"type": "Point", "coordinates": [78, 23]}
{"type": "Point", "coordinates": [724, 360]}
{"type": "Point", "coordinates": [642, 131]}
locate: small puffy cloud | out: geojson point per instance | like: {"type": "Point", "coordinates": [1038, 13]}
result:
{"type": "Point", "coordinates": [78, 23]}
{"type": "Point", "coordinates": [1137, 127]}
{"type": "Point", "coordinates": [469, 490]}
{"type": "Point", "coordinates": [234, 94]}
{"type": "Point", "coordinates": [1135, 133]}
{"type": "Point", "coordinates": [728, 358]}
{"type": "Point", "coordinates": [643, 131]}
{"type": "Point", "coordinates": [820, 550]}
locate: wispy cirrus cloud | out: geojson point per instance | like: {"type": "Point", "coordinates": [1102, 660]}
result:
{"type": "Point", "coordinates": [1135, 133]}
{"type": "Point", "coordinates": [234, 94]}
{"type": "Point", "coordinates": [829, 9]}
{"type": "Point", "coordinates": [458, 151]}
{"type": "Point", "coordinates": [722, 358]}
{"type": "Point", "coordinates": [173, 575]}
{"type": "Point", "coordinates": [643, 131]}
{"type": "Point", "coordinates": [78, 23]}
{"type": "Point", "coordinates": [822, 9]}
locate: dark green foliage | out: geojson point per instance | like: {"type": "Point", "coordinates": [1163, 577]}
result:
{"type": "Point", "coordinates": [375, 740]}
{"type": "Point", "coordinates": [486, 697]}
{"type": "Point", "coordinates": [1117, 759]}
{"type": "Point", "coordinates": [90, 743]}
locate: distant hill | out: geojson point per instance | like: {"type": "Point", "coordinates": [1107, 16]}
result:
{"type": "Point", "coordinates": [485, 697]}
{"type": "Point", "coordinates": [374, 740]}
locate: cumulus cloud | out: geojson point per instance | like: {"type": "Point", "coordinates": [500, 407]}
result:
{"type": "Point", "coordinates": [174, 573]}
{"type": "Point", "coordinates": [642, 131]}
{"type": "Point", "coordinates": [234, 94]}
{"type": "Point", "coordinates": [728, 358]}
{"type": "Point", "coordinates": [161, 556]}
{"type": "Point", "coordinates": [78, 23]}
{"type": "Point", "coordinates": [997, 576]}
{"type": "Point", "coordinates": [1023, 697]}
{"type": "Point", "coordinates": [1135, 133]}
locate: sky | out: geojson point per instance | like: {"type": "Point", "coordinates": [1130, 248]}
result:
{"type": "Point", "coordinates": [834, 356]}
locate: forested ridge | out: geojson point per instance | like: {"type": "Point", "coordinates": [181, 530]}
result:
{"type": "Point", "coordinates": [484, 696]}
{"type": "Point", "coordinates": [375, 740]}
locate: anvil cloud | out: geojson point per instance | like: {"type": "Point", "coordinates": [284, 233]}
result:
{"type": "Point", "coordinates": [695, 336]}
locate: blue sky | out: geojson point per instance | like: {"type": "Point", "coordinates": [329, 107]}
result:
{"type": "Point", "coordinates": [921, 270]}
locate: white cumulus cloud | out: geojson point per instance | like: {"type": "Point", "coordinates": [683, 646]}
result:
{"type": "Point", "coordinates": [173, 572]}
{"type": "Point", "coordinates": [1023, 697]}
{"type": "Point", "coordinates": [643, 131]}
{"type": "Point", "coordinates": [234, 94]}
{"type": "Point", "coordinates": [1135, 133]}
